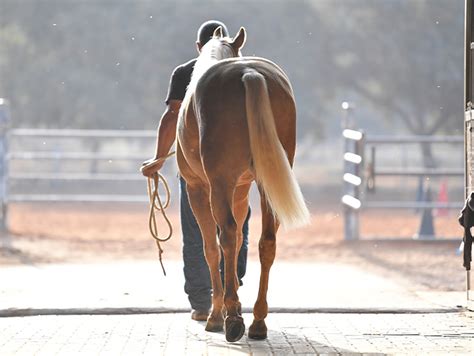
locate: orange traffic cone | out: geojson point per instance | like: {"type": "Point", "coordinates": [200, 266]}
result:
{"type": "Point", "coordinates": [442, 198]}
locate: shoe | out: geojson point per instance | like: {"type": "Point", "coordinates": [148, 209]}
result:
{"type": "Point", "coordinates": [199, 315]}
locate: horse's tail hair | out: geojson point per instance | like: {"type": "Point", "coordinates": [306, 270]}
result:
{"type": "Point", "coordinates": [270, 161]}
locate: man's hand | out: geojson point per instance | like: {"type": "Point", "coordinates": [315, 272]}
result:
{"type": "Point", "coordinates": [151, 166]}
{"type": "Point", "coordinates": [165, 138]}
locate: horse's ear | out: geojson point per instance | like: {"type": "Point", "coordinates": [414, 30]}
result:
{"type": "Point", "coordinates": [239, 39]}
{"type": "Point", "coordinates": [218, 32]}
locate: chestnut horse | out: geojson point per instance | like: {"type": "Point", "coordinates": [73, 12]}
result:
{"type": "Point", "coordinates": [237, 124]}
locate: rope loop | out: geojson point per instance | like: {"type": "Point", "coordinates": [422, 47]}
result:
{"type": "Point", "coordinates": [158, 205]}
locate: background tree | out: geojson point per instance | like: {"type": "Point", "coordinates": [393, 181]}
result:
{"type": "Point", "coordinates": [404, 59]}
{"type": "Point", "coordinates": [106, 64]}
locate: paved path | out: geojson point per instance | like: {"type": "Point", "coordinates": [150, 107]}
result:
{"type": "Point", "coordinates": [318, 309]}
{"type": "Point", "coordinates": [176, 334]}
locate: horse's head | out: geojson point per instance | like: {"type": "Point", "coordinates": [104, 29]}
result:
{"type": "Point", "coordinates": [222, 47]}
{"type": "Point", "coordinates": [217, 48]}
{"type": "Point", "coordinates": [235, 43]}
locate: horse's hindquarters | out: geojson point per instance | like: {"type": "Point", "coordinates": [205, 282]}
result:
{"type": "Point", "coordinates": [221, 115]}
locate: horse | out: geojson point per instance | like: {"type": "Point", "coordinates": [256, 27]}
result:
{"type": "Point", "coordinates": [236, 125]}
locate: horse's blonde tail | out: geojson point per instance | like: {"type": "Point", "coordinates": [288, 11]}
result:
{"type": "Point", "coordinates": [272, 168]}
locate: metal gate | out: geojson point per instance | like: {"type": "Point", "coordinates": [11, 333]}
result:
{"type": "Point", "coordinates": [360, 170]}
{"type": "Point", "coordinates": [80, 170]}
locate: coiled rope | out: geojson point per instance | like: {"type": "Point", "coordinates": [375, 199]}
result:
{"type": "Point", "coordinates": [157, 205]}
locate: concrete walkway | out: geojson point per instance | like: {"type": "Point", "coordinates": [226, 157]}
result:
{"type": "Point", "coordinates": [141, 285]}
{"type": "Point", "coordinates": [317, 308]}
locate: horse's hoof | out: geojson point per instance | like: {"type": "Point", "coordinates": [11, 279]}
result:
{"type": "Point", "coordinates": [215, 324]}
{"type": "Point", "coordinates": [234, 328]}
{"type": "Point", "coordinates": [258, 330]}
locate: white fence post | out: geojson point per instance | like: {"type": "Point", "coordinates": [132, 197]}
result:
{"type": "Point", "coordinates": [353, 159]}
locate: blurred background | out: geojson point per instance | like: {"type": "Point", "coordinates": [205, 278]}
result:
{"type": "Point", "coordinates": [105, 65]}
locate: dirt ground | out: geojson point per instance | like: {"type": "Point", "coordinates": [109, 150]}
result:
{"type": "Point", "coordinates": [83, 233]}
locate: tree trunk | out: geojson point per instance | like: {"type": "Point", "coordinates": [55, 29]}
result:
{"type": "Point", "coordinates": [427, 155]}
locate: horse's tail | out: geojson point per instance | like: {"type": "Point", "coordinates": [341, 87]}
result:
{"type": "Point", "coordinates": [272, 168]}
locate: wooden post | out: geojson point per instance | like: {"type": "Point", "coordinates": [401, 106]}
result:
{"type": "Point", "coordinates": [468, 119]}
{"type": "Point", "coordinates": [469, 56]}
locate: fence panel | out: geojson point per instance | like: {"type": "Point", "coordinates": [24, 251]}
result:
{"type": "Point", "coordinates": [41, 165]}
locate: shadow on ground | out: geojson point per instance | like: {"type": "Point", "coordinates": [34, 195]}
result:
{"type": "Point", "coordinates": [279, 342]}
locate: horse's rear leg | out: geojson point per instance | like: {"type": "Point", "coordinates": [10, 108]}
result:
{"type": "Point", "coordinates": [221, 200]}
{"type": "Point", "coordinates": [267, 248]}
{"type": "Point", "coordinates": [199, 201]}
{"type": "Point", "coordinates": [241, 210]}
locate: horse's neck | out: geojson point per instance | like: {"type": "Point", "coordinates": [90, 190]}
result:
{"type": "Point", "coordinates": [210, 55]}
{"type": "Point", "coordinates": [201, 66]}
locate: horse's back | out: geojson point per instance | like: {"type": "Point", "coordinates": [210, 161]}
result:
{"type": "Point", "coordinates": [230, 71]}
{"type": "Point", "coordinates": [220, 96]}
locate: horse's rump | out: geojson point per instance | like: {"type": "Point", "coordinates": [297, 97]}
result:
{"type": "Point", "coordinates": [219, 103]}
{"type": "Point", "coordinates": [216, 106]}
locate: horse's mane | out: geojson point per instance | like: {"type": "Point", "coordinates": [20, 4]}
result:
{"type": "Point", "coordinates": [211, 53]}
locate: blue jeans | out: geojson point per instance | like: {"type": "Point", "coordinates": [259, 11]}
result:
{"type": "Point", "coordinates": [196, 272]}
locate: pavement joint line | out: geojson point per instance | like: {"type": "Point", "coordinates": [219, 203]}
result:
{"type": "Point", "coordinates": [21, 312]}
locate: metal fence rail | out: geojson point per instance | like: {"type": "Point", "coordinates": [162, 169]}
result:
{"type": "Point", "coordinates": [420, 172]}
{"type": "Point", "coordinates": [386, 139]}
{"type": "Point", "coordinates": [410, 205]}
{"type": "Point", "coordinates": [78, 198]}
{"type": "Point", "coordinates": [88, 156]}
{"type": "Point", "coordinates": [82, 133]}
{"type": "Point", "coordinates": [75, 176]}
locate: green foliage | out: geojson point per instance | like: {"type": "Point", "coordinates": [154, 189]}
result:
{"type": "Point", "coordinates": [106, 64]}
{"type": "Point", "coordinates": [403, 59]}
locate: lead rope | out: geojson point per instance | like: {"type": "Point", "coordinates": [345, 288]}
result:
{"type": "Point", "coordinates": [156, 204]}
